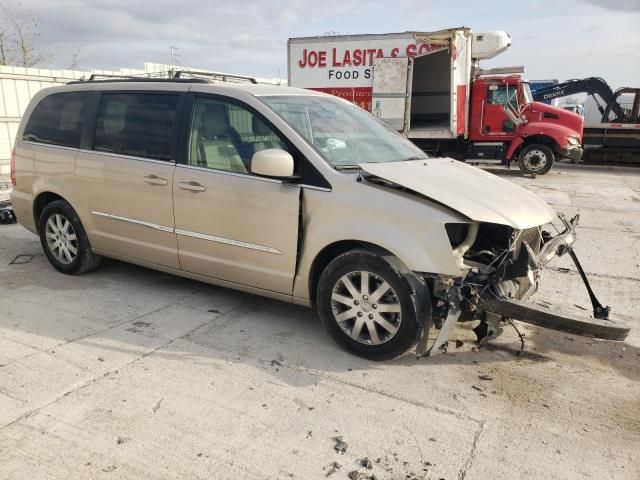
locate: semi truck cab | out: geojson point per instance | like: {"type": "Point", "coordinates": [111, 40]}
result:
{"type": "Point", "coordinates": [504, 122]}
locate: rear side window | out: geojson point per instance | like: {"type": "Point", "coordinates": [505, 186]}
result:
{"type": "Point", "coordinates": [137, 124]}
{"type": "Point", "coordinates": [57, 120]}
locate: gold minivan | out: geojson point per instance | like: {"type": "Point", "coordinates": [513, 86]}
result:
{"type": "Point", "coordinates": [292, 194]}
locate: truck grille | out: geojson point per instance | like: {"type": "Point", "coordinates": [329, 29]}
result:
{"type": "Point", "coordinates": [533, 237]}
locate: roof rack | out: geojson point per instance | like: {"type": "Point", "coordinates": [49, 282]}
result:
{"type": "Point", "coordinates": [96, 76]}
{"type": "Point", "coordinates": [214, 75]}
{"type": "Point", "coordinates": [100, 78]}
{"type": "Point", "coordinates": [192, 76]}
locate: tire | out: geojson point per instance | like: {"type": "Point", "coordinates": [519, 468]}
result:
{"type": "Point", "coordinates": [61, 232]}
{"type": "Point", "coordinates": [374, 341]}
{"type": "Point", "coordinates": [535, 159]}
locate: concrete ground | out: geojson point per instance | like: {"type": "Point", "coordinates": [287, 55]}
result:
{"type": "Point", "coordinates": [130, 373]}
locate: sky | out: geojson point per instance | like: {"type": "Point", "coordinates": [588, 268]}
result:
{"type": "Point", "coordinates": [559, 39]}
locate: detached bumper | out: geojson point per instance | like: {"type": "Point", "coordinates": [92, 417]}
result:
{"type": "Point", "coordinates": [574, 153]}
{"type": "Point", "coordinates": [555, 320]}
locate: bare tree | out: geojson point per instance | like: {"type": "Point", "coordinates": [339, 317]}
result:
{"type": "Point", "coordinates": [5, 36]}
{"type": "Point", "coordinates": [76, 59]}
{"type": "Point", "coordinates": [19, 38]}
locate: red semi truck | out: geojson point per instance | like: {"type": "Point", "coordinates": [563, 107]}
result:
{"type": "Point", "coordinates": [429, 87]}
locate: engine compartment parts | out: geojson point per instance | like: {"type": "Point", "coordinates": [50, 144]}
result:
{"type": "Point", "coordinates": [501, 267]}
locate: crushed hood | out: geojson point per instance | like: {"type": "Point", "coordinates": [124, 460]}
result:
{"type": "Point", "coordinates": [476, 194]}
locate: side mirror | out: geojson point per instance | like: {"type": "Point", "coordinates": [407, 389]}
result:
{"type": "Point", "coordinates": [272, 162]}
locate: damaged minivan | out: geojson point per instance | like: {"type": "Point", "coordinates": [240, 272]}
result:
{"type": "Point", "coordinates": [286, 193]}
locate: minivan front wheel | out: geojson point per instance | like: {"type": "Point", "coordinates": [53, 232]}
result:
{"type": "Point", "coordinates": [64, 240]}
{"type": "Point", "coordinates": [365, 304]}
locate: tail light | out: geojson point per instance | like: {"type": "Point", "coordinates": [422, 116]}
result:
{"type": "Point", "coordinates": [13, 167]}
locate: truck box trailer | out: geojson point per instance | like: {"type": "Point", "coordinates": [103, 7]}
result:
{"type": "Point", "coordinates": [428, 85]}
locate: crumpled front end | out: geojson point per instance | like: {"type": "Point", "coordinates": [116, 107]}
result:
{"type": "Point", "coordinates": [499, 264]}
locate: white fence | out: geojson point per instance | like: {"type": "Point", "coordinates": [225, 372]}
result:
{"type": "Point", "coordinates": [18, 85]}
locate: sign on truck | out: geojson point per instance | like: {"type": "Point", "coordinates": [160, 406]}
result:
{"type": "Point", "coordinates": [428, 85]}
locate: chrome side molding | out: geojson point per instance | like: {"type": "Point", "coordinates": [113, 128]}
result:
{"type": "Point", "coordinates": [188, 233]}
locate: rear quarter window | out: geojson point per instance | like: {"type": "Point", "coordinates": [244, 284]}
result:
{"type": "Point", "coordinates": [136, 124]}
{"type": "Point", "coordinates": [57, 120]}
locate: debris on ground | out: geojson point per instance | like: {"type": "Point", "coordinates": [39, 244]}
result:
{"type": "Point", "coordinates": [156, 406]}
{"type": "Point", "coordinates": [340, 445]}
{"type": "Point", "coordinates": [476, 388]}
{"type": "Point", "coordinates": [542, 303]}
{"type": "Point", "coordinates": [356, 475]}
{"type": "Point", "coordinates": [275, 362]}
{"type": "Point", "coordinates": [333, 468]}
{"type": "Point", "coordinates": [366, 463]}
{"type": "Point", "coordinates": [484, 376]}
{"type": "Point", "coordinates": [121, 440]}
{"type": "Point", "coordinates": [109, 469]}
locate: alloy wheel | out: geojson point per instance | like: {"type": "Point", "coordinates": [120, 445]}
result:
{"type": "Point", "coordinates": [366, 307]}
{"type": "Point", "coordinates": [61, 238]}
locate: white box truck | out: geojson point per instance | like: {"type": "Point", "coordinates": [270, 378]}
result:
{"type": "Point", "coordinates": [429, 86]}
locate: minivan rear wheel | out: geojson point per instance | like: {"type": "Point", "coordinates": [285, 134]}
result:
{"type": "Point", "coordinates": [64, 241]}
{"type": "Point", "coordinates": [365, 305]}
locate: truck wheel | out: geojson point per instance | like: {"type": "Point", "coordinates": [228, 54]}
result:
{"type": "Point", "coordinates": [64, 240]}
{"type": "Point", "coordinates": [535, 159]}
{"type": "Point", "coordinates": [365, 304]}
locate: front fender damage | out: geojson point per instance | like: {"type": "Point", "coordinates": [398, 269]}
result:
{"type": "Point", "coordinates": [495, 285]}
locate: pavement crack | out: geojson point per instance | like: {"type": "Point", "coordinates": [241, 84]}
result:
{"type": "Point", "coordinates": [331, 378]}
{"type": "Point", "coordinates": [93, 380]}
{"type": "Point", "coordinates": [49, 350]}
{"type": "Point", "coordinates": [468, 463]}
{"type": "Point", "coordinates": [593, 274]}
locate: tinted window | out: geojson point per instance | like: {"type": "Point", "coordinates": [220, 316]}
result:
{"type": "Point", "coordinates": [57, 120]}
{"type": "Point", "coordinates": [225, 136]}
{"type": "Point", "coordinates": [137, 124]}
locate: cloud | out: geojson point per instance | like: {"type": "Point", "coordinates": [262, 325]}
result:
{"type": "Point", "coordinates": [567, 40]}
{"type": "Point", "coordinates": [248, 36]}
{"type": "Point", "coordinates": [617, 5]}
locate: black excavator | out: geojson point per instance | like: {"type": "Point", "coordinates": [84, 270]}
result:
{"type": "Point", "coordinates": [616, 138]}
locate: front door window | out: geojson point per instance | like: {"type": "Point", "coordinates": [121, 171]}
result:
{"type": "Point", "coordinates": [495, 120]}
{"type": "Point", "coordinates": [224, 136]}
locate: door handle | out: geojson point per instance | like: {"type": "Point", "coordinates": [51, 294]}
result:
{"type": "Point", "coordinates": [155, 180]}
{"type": "Point", "coordinates": [192, 186]}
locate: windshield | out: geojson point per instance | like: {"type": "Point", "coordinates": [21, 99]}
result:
{"type": "Point", "coordinates": [343, 133]}
{"type": "Point", "coordinates": [526, 93]}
